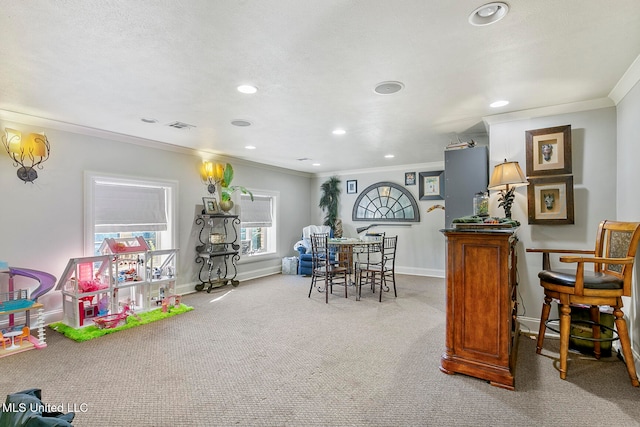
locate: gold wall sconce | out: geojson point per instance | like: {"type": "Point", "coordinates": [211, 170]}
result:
{"type": "Point", "coordinates": [28, 152]}
{"type": "Point", "coordinates": [212, 174]}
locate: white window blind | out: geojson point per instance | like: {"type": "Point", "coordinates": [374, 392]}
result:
{"type": "Point", "coordinates": [120, 208]}
{"type": "Point", "coordinates": [256, 213]}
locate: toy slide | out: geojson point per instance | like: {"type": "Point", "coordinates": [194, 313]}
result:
{"type": "Point", "coordinates": [46, 280]}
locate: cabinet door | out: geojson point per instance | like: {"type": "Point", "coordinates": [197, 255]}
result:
{"type": "Point", "coordinates": [482, 301]}
{"type": "Point", "coordinates": [466, 172]}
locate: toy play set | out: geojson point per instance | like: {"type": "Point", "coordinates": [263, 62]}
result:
{"type": "Point", "coordinates": [16, 303]}
{"type": "Point", "coordinates": [128, 277]}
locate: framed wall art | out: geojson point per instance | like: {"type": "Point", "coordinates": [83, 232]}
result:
{"type": "Point", "coordinates": [410, 178]}
{"type": "Point", "coordinates": [550, 200]}
{"type": "Point", "coordinates": [210, 205]}
{"type": "Point", "coordinates": [352, 186]}
{"type": "Point", "coordinates": [431, 185]}
{"type": "Point", "coordinates": [549, 151]}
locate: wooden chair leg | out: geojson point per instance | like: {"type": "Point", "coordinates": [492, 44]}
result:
{"type": "Point", "coordinates": [546, 308]}
{"type": "Point", "coordinates": [594, 315]}
{"type": "Point", "coordinates": [565, 331]}
{"type": "Point", "coordinates": [625, 343]}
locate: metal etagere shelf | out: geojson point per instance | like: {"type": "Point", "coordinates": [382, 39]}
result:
{"type": "Point", "coordinates": [218, 251]}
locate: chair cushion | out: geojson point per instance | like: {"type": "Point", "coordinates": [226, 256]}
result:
{"type": "Point", "coordinates": [591, 280]}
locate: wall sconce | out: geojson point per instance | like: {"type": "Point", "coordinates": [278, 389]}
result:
{"type": "Point", "coordinates": [505, 178]}
{"type": "Point", "coordinates": [27, 152]}
{"type": "Point", "coordinates": [212, 175]}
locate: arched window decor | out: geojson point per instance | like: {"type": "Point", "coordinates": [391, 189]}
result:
{"type": "Point", "coordinates": [386, 201]}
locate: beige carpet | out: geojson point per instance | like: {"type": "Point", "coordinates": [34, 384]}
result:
{"type": "Point", "coordinates": [263, 354]}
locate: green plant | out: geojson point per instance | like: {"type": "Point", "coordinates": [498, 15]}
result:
{"type": "Point", "coordinates": [329, 200]}
{"type": "Point", "coordinates": [227, 189]}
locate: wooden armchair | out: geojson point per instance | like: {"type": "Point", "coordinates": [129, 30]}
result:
{"type": "Point", "coordinates": [605, 284]}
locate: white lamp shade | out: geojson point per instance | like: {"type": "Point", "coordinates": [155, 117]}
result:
{"type": "Point", "coordinates": [507, 174]}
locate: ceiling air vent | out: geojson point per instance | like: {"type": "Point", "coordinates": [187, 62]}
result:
{"type": "Point", "coordinates": [180, 125]}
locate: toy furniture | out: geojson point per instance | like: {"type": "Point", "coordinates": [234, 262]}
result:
{"type": "Point", "coordinates": [604, 284]}
{"type": "Point", "coordinates": [305, 264]}
{"type": "Point", "coordinates": [24, 335]}
{"type": "Point", "coordinates": [4, 340]}
{"type": "Point", "coordinates": [127, 273]}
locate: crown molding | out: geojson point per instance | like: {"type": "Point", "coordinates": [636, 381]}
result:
{"type": "Point", "coordinates": [12, 116]}
{"type": "Point", "coordinates": [553, 110]}
{"type": "Point", "coordinates": [628, 80]}
{"type": "Point", "coordinates": [417, 167]}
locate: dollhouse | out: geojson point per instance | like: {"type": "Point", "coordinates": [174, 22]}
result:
{"type": "Point", "coordinates": [126, 273]}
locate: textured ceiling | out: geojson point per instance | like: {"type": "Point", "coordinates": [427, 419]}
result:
{"type": "Point", "coordinates": [106, 64]}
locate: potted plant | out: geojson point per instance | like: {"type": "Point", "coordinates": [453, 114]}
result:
{"type": "Point", "coordinates": [329, 200]}
{"type": "Point", "coordinates": [226, 189]}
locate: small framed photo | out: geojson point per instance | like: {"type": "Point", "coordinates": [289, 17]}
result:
{"type": "Point", "coordinates": [550, 200]}
{"type": "Point", "coordinates": [352, 186]}
{"type": "Point", "coordinates": [549, 151]}
{"type": "Point", "coordinates": [410, 178]}
{"type": "Point", "coordinates": [432, 185]}
{"type": "Point", "coordinates": [210, 205]}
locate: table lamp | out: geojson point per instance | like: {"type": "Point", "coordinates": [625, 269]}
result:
{"type": "Point", "coordinates": [505, 178]}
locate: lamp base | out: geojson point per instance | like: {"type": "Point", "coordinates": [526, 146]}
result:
{"type": "Point", "coordinates": [506, 200]}
{"type": "Point", "coordinates": [27, 174]}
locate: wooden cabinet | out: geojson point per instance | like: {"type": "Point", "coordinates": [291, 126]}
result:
{"type": "Point", "coordinates": [218, 250]}
{"type": "Point", "coordinates": [482, 329]}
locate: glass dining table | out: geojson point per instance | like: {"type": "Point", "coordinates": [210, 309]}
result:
{"type": "Point", "coordinates": [350, 251]}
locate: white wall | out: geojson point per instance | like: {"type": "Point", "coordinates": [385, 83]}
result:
{"type": "Point", "coordinates": [41, 224]}
{"type": "Point", "coordinates": [593, 142]}
{"type": "Point", "coordinates": [421, 249]}
{"type": "Point", "coordinates": [628, 178]}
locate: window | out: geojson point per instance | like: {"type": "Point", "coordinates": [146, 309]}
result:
{"type": "Point", "coordinates": [258, 223]}
{"type": "Point", "coordinates": [118, 207]}
{"type": "Point", "coordinates": [386, 201]}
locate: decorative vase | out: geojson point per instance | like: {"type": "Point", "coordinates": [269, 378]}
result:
{"type": "Point", "coordinates": [226, 205]}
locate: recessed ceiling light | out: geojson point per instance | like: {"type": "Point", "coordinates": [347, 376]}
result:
{"type": "Point", "coordinates": [387, 88]}
{"type": "Point", "coordinates": [149, 120]}
{"type": "Point", "coordinates": [339, 132]}
{"type": "Point", "coordinates": [250, 147]}
{"type": "Point", "coordinates": [241, 123]}
{"type": "Point", "coordinates": [488, 14]}
{"type": "Point", "coordinates": [315, 164]}
{"type": "Point", "coordinates": [247, 89]}
{"type": "Point", "coordinates": [389, 156]}
{"type": "Point", "coordinates": [497, 104]}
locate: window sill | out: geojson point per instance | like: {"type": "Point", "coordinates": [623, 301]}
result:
{"type": "Point", "coordinates": [267, 256]}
